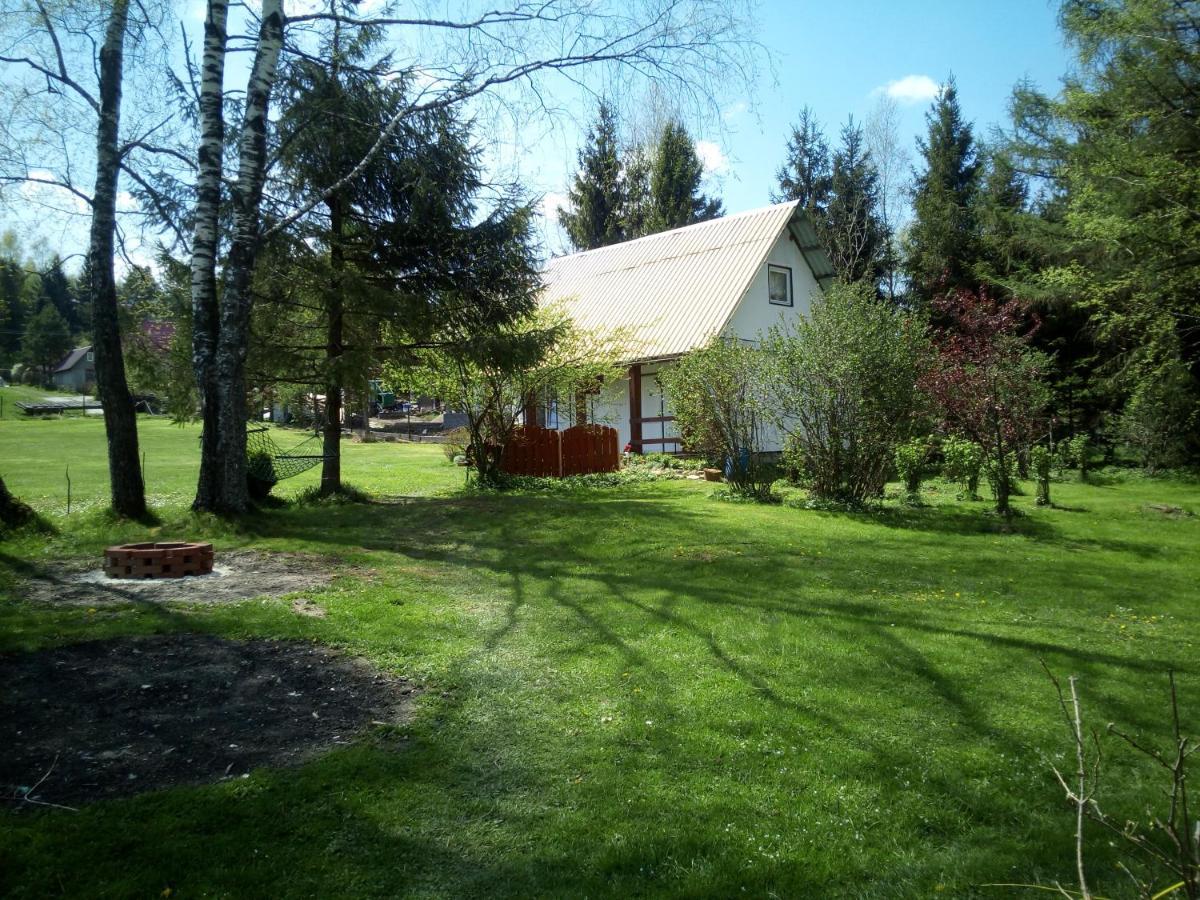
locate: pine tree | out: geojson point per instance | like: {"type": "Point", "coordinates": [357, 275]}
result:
{"type": "Point", "coordinates": [596, 214]}
{"type": "Point", "coordinates": [943, 239]}
{"type": "Point", "coordinates": [805, 175]}
{"type": "Point", "coordinates": [852, 230]}
{"type": "Point", "coordinates": [675, 177]}
{"type": "Point", "coordinates": [47, 340]}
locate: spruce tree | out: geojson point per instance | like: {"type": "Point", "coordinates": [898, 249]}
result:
{"type": "Point", "coordinates": [635, 217]}
{"type": "Point", "coordinates": [852, 230]}
{"type": "Point", "coordinates": [1006, 254]}
{"type": "Point", "coordinates": [12, 308]}
{"type": "Point", "coordinates": [403, 253]}
{"type": "Point", "coordinates": [943, 239]}
{"type": "Point", "coordinates": [57, 288]}
{"type": "Point", "coordinates": [675, 176]}
{"type": "Point", "coordinates": [47, 340]}
{"type": "Point", "coordinates": [595, 216]}
{"type": "Point", "coordinates": [805, 175]}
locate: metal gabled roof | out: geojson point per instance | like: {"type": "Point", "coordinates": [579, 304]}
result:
{"type": "Point", "coordinates": [71, 359]}
{"type": "Point", "coordinates": [674, 290]}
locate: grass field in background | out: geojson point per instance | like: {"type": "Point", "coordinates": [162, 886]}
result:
{"type": "Point", "coordinates": [642, 690]}
{"type": "Point", "coordinates": [36, 454]}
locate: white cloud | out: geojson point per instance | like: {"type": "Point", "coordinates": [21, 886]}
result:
{"type": "Point", "coordinates": [712, 157]}
{"type": "Point", "coordinates": [910, 89]}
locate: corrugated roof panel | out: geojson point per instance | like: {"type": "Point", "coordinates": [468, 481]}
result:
{"type": "Point", "coordinates": [673, 290]}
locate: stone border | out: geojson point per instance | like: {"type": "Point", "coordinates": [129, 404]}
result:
{"type": "Point", "coordinates": [158, 560]}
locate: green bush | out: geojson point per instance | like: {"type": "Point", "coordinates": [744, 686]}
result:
{"type": "Point", "coordinates": [721, 400]}
{"type": "Point", "coordinates": [794, 469]}
{"type": "Point", "coordinates": [1077, 452]}
{"type": "Point", "coordinates": [662, 465]}
{"type": "Point", "coordinates": [1003, 482]}
{"type": "Point", "coordinates": [1162, 418]}
{"type": "Point", "coordinates": [845, 390]}
{"type": "Point", "coordinates": [962, 461]}
{"type": "Point", "coordinates": [260, 474]}
{"type": "Point", "coordinates": [1041, 461]}
{"type": "Point", "coordinates": [455, 443]}
{"type": "Point", "coordinates": [910, 459]}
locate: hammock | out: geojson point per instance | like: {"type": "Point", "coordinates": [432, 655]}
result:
{"type": "Point", "coordinates": [267, 463]}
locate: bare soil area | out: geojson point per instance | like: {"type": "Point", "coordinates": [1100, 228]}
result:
{"type": "Point", "coordinates": [236, 575]}
{"type": "Point", "coordinates": [118, 717]}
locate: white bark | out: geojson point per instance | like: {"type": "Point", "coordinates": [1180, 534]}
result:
{"type": "Point", "coordinates": [205, 239]}
{"type": "Point", "coordinates": [234, 328]}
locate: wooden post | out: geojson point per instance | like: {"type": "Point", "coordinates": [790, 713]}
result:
{"type": "Point", "coordinates": [635, 407]}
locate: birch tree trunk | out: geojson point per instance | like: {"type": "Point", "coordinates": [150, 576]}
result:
{"type": "Point", "coordinates": [231, 495]}
{"type": "Point", "coordinates": [331, 471]}
{"type": "Point", "coordinates": [120, 420]}
{"type": "Point", "coordinates": [205, 243]}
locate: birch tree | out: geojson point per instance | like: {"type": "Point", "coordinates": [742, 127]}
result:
{"type": "Point", "coordinates": [64, 90]}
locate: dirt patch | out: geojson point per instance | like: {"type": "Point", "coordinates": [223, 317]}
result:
{"type": "Point", "coordinates": [305, 607]}
{"type": "Point", "coordinates": [236, 575]}
{"type": "Point", "coordinates": [122, 716]}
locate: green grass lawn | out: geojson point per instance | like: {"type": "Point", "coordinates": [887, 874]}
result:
{"type": "Point", "coordinates": [643, 691]}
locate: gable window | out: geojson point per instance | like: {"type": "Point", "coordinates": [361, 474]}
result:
{"type": "Point", "coordinates": [779, 285]}
{"type": "Point", "coordinates": [89, 356]}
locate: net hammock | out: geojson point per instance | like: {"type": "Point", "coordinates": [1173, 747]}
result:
{"type": "Point", "coordinates": [266, 462]}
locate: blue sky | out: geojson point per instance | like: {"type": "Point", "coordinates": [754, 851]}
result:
{"type": "Point", "coordinates": [836, 57]}
{"type": "Point", "coordinates": [833, 56]}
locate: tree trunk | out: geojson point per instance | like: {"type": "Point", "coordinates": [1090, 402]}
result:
{"type": "Point", "coordinates": [205, 324]}
{"type": "Point", "coordinates": [13, 513]}
{"type": "Point", "coordinates": [230, 494]}
{"type": "Point", "coordinates": [120, 420]}
{"type": "Point", "coordinates": [331, 471]}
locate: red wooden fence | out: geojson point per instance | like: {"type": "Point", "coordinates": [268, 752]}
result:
{"type": "Point", "coordinates": [546, 453]}
{"type": "Point", "coordinates": [589, 448]}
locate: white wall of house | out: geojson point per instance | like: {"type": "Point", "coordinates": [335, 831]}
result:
{"type": "Point", "coordinates": [756, 313]}
{"type": "Point", "coordinates": [751, 318]}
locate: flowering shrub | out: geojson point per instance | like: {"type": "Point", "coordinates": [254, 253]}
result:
{"type": "Point", "coordinates": [987, 382]}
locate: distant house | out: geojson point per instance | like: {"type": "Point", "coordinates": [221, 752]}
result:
{"type": "Point", "coordinates": [674, 291]}
{"type": "Point", "coordinates": [77, 370]}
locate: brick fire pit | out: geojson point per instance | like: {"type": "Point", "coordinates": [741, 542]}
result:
{"type": "Point", "coordinates": [164, 560]}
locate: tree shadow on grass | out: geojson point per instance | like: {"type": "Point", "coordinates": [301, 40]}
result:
{"type": "Point", "coordinates": [652, 582]}
{"type": "Point", "coordinates": [606, 561]}
{"type": "Point", "coordinates": [960, 521]}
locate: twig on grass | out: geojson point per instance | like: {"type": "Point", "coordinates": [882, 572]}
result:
{"type": "Point", "coordinates": [27, 795]}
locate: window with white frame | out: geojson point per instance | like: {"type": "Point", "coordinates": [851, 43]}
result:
{"type": "Point", "coordinates": [779, 285]}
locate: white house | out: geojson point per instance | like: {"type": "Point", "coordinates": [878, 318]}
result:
{"type": "Point", "coordinates": [76, 371]}
{"type": "Point", "coordinates": [674, 291]}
